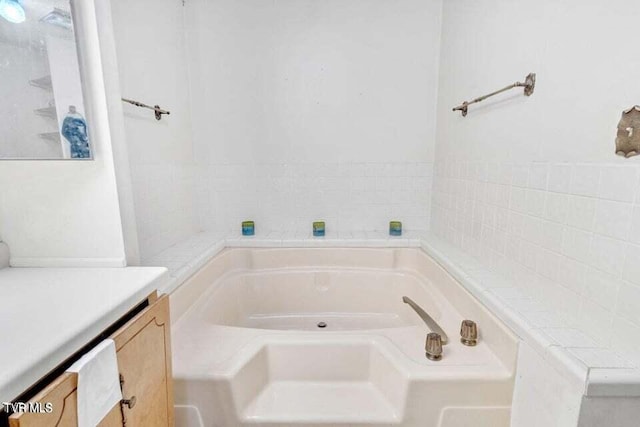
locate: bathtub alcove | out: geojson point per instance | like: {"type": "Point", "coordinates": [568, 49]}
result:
{"type": "Point", "coordinates": [321, 337]}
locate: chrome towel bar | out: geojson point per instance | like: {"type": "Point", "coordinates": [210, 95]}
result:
{"type": "Point", "coordinates": [528, 85]}
{"type": "Point", "coordinates": [156, 108]}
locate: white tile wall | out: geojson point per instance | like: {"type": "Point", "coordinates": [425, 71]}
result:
{"type": "Point", "coordinates": [530, 189]}
{"type": "Point", "coordinates": [291, 125]}
{"type": "Point", "coordinates": [573, 239]}
{"type": "Point", "coordinates": [164, 204]}
{"type": "Point", "coordinates": [283, 197]}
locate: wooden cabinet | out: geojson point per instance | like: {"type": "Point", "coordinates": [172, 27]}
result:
{"type": "Point", "coordinates": [143, 349]}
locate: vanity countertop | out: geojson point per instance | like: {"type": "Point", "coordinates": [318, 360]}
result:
{"type": "Point", "coordinates": [48, 314]}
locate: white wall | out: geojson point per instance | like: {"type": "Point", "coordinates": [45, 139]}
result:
{"type": "Point", "coordinates": [153, 69]}
{"type": "Point", "coordinates": [308, 110]}
{"type": "Point", "coordinates": [533, 184]}
{"type": "Point", "coordinates": [66, 213]}
{"type": "Point", "coordinates": [111, 76]}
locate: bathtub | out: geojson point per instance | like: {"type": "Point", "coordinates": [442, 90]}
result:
{"type": "Point", "coordinates": [321, 337]}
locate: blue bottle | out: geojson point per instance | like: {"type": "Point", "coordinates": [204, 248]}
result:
{"type": "Point", "coordinates": [74, 129]}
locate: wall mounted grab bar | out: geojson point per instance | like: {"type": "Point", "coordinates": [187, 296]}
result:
{"type": "Point", "coordinates": [529, 85]}
{"type": "Point", "coordinates": [156, 108]}
{"type": "Point", "coordinates": [428, 320]}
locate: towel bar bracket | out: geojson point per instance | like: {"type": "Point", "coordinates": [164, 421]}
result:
{"type": "Point", "coordinates": [530, 84]}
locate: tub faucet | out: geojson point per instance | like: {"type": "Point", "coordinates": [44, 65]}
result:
{"type": "Point", "coordinates": [428, 320]}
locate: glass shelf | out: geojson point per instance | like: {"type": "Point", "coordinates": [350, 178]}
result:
{"type": "Point", "coordinates": [47, 112]}
{"type": "Point", "coordinates": [42, 83]}
{"type": "Point", "coordinates": [50, 136]}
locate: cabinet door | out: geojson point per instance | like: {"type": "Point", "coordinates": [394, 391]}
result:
{"type": "Point", "coordinates": [144, 360]}
{"type": "Point", "coordinates": [143, 350]}
{"type": "Point", "coordinates": [61, 393]}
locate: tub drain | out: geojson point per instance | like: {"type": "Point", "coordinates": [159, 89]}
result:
{"type": "Point", "coordinates": [322, 325]}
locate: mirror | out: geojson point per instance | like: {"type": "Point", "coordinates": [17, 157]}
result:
{"type": "Point", "coordinates": [42, 114]}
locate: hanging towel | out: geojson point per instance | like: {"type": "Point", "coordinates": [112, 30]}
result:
{"type": "Point", "coordinates": [98, 383]}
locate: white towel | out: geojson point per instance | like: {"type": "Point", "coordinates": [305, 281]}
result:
{"type": "Point", "coordinates": [98, 383]}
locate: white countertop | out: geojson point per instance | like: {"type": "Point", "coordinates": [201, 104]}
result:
{"type": "Point", "coordinates": [47, 314]}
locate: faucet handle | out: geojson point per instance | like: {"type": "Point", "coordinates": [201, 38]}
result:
{"type": "Point", "coordinates": [469, 333]}
{"type": "Point", "coordinates": [433, 346]}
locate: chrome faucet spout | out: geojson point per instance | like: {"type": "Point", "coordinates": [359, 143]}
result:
{"type": "Point", "coordinates": [428, 320]}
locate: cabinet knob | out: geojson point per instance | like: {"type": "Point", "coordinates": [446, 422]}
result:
{"type": "Point", "coordinates": [129, 402]}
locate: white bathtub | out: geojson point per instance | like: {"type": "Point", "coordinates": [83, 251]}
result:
{"type": "Point", "coordinates": [248, 349]}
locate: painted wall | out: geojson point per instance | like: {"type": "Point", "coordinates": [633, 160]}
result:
{"type": "Point", "coordinates": [152, 61]}
{"type": "Point", "coordinates": [307, 110]}
{"type": "Point", "coordinates": [66, 213]}
{"type": "Point", "coordinates": [532, 185]}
